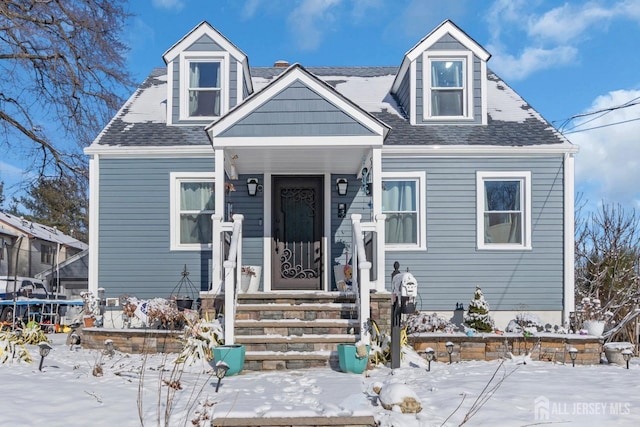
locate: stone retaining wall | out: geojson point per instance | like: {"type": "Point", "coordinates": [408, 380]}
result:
{"type": "Point", "coordinates": [133, 340]}
{"type": "Point", "coordinates": [549, 348]}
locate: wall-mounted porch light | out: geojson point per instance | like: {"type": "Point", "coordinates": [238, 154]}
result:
{"type": "Point", "coordinates": [341, 186]}
{"type": "Point", "coordinates": [252, 186]}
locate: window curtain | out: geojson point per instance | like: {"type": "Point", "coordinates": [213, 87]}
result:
{"type": "Point", "coordinates": [194, 82]}
{"type": "Point", "coordinates": [399, 205]}
{"type": "Point", "coordinates": [198, 197]}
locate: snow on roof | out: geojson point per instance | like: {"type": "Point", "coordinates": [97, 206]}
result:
{"type": "Point", "coordinates": [370, 93]}
{"type": "Point", "coordinates": [148, 105]}
{"type": "Point", "coordinates": [40, 231]}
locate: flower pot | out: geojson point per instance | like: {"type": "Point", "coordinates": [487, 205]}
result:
{"type": "Point", "coordinates": [250, 283]}
{"type": "Point", "coordinates": [349, 360]}
{"type": "Point", "coordinates": [594, 327]}
{"type": "Point", "coordinates": [88, 321]}
{"type": "Point", "coordinates": [232, 355]}
{"type": "Point", "coordinates": [184, 303]}
{"type": "Point", "coordinates": [613, 352]}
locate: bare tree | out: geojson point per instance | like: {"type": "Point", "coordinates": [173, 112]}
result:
{"type": "Point", "coordinates": [607, 253]}
{"type": "Point", "coordinates": [62, 65]}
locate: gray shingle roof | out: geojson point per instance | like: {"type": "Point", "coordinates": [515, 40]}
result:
{"type": "Point", "coordinates": [511, 121]}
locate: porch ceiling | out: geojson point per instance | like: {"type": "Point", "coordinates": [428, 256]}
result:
{"type": "Point", "coordinates": [298, 160]}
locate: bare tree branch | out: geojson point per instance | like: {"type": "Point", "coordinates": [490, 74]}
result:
{"type": "Point", "coordinates": [63, 66]}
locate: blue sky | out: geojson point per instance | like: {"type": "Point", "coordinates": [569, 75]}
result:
{"type": "Point", "coordinates": [564, 58]}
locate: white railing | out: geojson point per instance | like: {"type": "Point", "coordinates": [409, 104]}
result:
{"type": "Point", "coordinates": [362, 268]}
{"type": "Point", "coordinates": [227, 272]}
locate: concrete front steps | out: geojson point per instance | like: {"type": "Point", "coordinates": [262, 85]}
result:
{"type": "Point", "coordinates": [295, 330]}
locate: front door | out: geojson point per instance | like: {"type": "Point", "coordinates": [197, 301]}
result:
{"type": "Point", "coordinates": [297, 232]}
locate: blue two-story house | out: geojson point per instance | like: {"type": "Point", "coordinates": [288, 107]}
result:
{"type": "Point", "coordinates": [437, 163]}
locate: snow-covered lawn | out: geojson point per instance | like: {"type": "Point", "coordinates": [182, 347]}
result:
{"type": "Point", "coordinates": [66, 393]}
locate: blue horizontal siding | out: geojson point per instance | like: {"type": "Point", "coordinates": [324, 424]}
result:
{"type": "Point", "coordinates": [134, 215]}
{"type": "Point", "coordinates": [297, 111]}
{"type": "Point", "coordinates": [452, 266]}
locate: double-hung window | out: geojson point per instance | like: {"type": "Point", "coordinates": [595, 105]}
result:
{"type": "Point", "coordinates": [403, 203]}
{"type": "Point", "coordinates": [447, 86]}
{"type": "Point", "coordinates": [192, 203]}
{"type": "Point", "coordinates": [504, 210]}
{"type": "Point", "coordinates": [204, 88]}
{"type": "Point", "coordinates": [204, 80]}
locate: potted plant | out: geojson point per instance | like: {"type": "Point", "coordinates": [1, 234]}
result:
{"type": "Point", "coordinates": [593, 318]}
{"type": "Point", "coordinates": [91, 308]}
{"type": "Point", "coordinates": [250, 278]}
{"type": "Point", "coordinates": [353, 357]}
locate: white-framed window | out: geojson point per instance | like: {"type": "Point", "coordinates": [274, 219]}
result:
{"type": "Point", "coordinates": [447, 81]}
{"type": "Point", "coordinates": [404, 204]}
{"type": "Point", "coordinates": [192, 203]}
{"type": "Point", "coordinates": [503, 210]}
{"type": "Point", "coordinates": [205, 81]}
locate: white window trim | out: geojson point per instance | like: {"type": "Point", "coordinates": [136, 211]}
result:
{"type": "Point", "coordinates": [421, 194]}
{"type": "Point", "coordinates": [175, 179]}
{"type": "Point", "coordinates": [443, 55]}
{"type": "Point", "coordinates": [525, 178]}
{"type": "Point", "coordinates": [185, 59]}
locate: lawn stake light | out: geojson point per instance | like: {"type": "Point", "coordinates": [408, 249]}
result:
{"type": "Point", "coordinates": [573, 353]}
{"type": "Point", "coordinates": [430, 356]}
{"type": "Point", "coordinates": [404, 292]}
{"type": "Point", "coordinates": [221, 370]}
{"type": "Point", "coordinates": [108, 348]}
{"type": "Point", "coordinates": [627, 354]}
{"type": "Point", "coordinates": [44, 349]}
{"type": "Point", "coordinates": [449, 346]}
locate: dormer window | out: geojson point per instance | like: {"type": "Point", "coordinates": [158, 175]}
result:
{"type": "Point", "coordinates": [205, 90]}
{"type": "Point", "coordinates": [448, 86]}
{"type": "Point", "coordinates": [204, 85]}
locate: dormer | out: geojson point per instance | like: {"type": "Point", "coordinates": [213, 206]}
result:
{"type": "Point", "coordinates": [206, 76]}
{"type": "Point", "coordinates": [442, 79]}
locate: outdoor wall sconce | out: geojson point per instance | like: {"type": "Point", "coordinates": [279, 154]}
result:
{"type": "Point", "coordinates": [341, 186]}
{"type": "Point", "coordinates": [449, 346]}
{"type": "Point", "coordinates": [252, 186]}
{"type": "Point", "coordinates": [573, 353]}
{"type": "Point", "coordinates": [220, 370]}
{"type": "Point", "coordinates": [627, 354]}
{"type": "Point", "coordinates": [431, 354]}
{"type": "Point", "coordinates": [44, 349]}
{"type": "Point", "coordinates": [342, 210]}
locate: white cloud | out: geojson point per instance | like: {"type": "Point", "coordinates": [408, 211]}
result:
{"type": "Point", "coordinates": [551, 39]}
{"type": "Point", "coordinates": [570, 22]}
{"type": "Point", "coordinates": [608, 164]}
{"type": "Point", "coordinates": [168, 4]}
{"type": "Point", "coordinates": [309, 20]}
{"type": "Point", "coordinates": [529, 61]}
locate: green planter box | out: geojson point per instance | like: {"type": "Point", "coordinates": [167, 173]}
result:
{"type": "Point", "coordinates": [349, 361]}
{"type": "Point", "coordinates": [232, 355]}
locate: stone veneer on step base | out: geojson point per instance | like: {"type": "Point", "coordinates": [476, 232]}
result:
{"type": "Point", "coordinates": [380, 307]}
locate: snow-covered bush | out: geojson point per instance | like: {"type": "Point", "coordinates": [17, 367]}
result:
{"type": "Point", "coordinates": [477, 317]}
{"type": "Point", "coordinates": [199, 339]}
{"type": "Point", "coordinates": [525, 322]}
{"type": "Point", "coordinates": [423, 322]}
{"type": "Point", "coordinates": [156, 312]}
